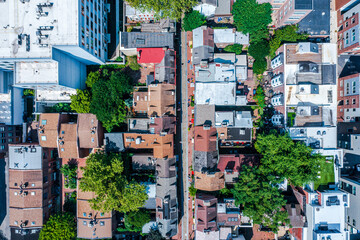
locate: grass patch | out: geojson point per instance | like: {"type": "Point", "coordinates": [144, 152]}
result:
{"type": "Point", "coordinates": [327, 176]}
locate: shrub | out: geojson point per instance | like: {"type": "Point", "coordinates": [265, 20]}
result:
{"type": "Point", "coordinates": [192, 20]}
{"type": "Point", "coordinates": [236, 48]}
{"type": "Point", "coordinates": [260, 66]}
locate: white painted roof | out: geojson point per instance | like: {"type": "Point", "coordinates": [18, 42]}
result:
{"type": "Point", "coordinates": [217, 93]}
{"type": "Point", "coordinates": [22, 18]}
{"type": "Point", "coordinates": [36, 72]}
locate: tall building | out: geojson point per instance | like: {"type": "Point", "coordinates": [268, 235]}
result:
{"type": "Point", "coordinates": [46, 45]}
{"type": "Point", "coordinates": [325, 214]}
{"type": "Point", "coordinates": [348, 27]}
{"type": "Point", "coordinates": [32, 190]}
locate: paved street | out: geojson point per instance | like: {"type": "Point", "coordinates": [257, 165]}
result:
{"type": "Point", "coordinates": [184, 137]}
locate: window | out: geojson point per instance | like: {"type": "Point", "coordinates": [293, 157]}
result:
{"type": "Point", "coordinates": [84, 223]}
{"type": "Point", "coordinates": [15, 184]}
{"type": "Point", "coordinates": [354, 222]}
{"type": "Point", "coordinates": [347, 88]}
{"type": "Point", "coordinates": [102, 214]}
{"type": "Point", "coordinates": [353, 34]}
{"type": "Point", "coordinates": [84, 214]}
{"type": "Point", "coordinates": [10, 134]}
{"type": "Point", "coordinates": [33, 223]}
{"type": "Point", "coordinates": [10, 128]}
{"type": "Point", "coordinates": [353, 20]}
{"type": "Point", "coordinates": [354, 101]}
{"type": "Point", "coordinates": [2, 129]}
{"type": "Point", "coordinates": [3, 140]}
{"type": "Point", "coordinates": [346, 24]}
{"type": "Point", "coordinates": [62, 132]}
{"type": "Point", "coordinates": [62, 149]}
{"type": "Point", "coordinates": [353, 87]}
{"type": "Point", "coordinates": [33, 184]}
{"type": "Point", "coordinates": [348, 219]}
{"type": "Point", "coordinates": [92, 140]}
{"type": "Point", "coordinates": [341, 83]}
{"type": "Point", "coordinates": [354, 109]}
{"type": "Point", "coordinates": [354, 190]}
{"type": "Point", "coordinates": [45, 179]}
{"type": "Point", "coordinates": [102, 223]}
{"type": "Point", "coordinates": [32, 193]}
{"type": "Point", "coordinates": [16, 222]}
{"type": "Point", "coordinates": [43, 122]}
{"type": "Point", "coordinates": [347, 101]}
{"type": "Point", "coordinates": [15, 193]}
{"type": "Point", "coordinates": [10, 140]}
{"type": "Point", "coordinates": [43, 138]}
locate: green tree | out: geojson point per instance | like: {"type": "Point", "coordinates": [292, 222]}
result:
{"type": "Point", "coordinates": [283, 157]}
{"type": "Point", "coordinates": [162, 8]}
{"type": "Point", "coordinates": [260, 66]}
{"type": "Point", "coordinates": [192, 20]}
{"type": "Point", "coordinates": [29, 92]}
{"type": "Point", "coordinates": [60, 107]}
{"type": "Point", "coordinates": [259, 49]}
{"type": "Point", "coordinates": [288, 33]}
{"type": "Point", "coordinates": [235, 48]}
{"type": "Point", "coordinates": [261, 200]}
{"type": "Point", "coordinates": [132, 63]}
{"type": "Point", "coordinates": [134, 221]}
{"type": "Point", "coordinates": [259, 97]}
{"type": "Point", "coordinates": [59, 226]}
{"type": "Point", "coordinates": [103, 175]}
{"type": "Point", "coordinates": [192, 190]}
{"type": "Point", "coordinates": [154, 234]}
{"type": "Point", "coordinates": [80, 102]}
{"type": "Point", "coordinates": [251, 17]}
{"type": "Point", "coordinates": [70, 174]}
{"type": "Point", "coordinates": [108, 94]}
{"type": "Point", "coordinates": [70, 204]}
{"type": "Point", "coordinates": [93, 77]}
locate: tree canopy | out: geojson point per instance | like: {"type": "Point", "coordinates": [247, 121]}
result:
{"type": "Point", "coordinates": [257, 188]}
{"type": "Point", "coordinates": [192, 20]}
{"type": "Point", "coordinates": [251, 17]}
{"type": "Point", "coordinates": [259, 49]}
{"type": "Point", "coordinates": [59, 226]}
{"type": "Point", "coordinates": [171, 8]}
{"type": "Point", "coordinates": [108, 94]}
{"type": "Point", "coordinates": [80, 102]}
{"type": "Point", "coordinates": [134, 221]}
{"type": "Point", "coordinates": [103, 174]}
{"type": "Point", "coordinates": [154, 234]}
{"type": "Point", "coordinates": [259, 66]}
{"type": "Point", "coordinates": [262, 202]}
{"type": "Point", "coordinates": [104, 97]}
{"type": "Point", "coordinates": [235, 48]}
{"type": "Point", "coordinates": [283, 157]}
{"type": "Point", "coordinates": [286, 34]}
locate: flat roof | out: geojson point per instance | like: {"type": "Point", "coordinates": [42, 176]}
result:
{"type": "Point", "coordinates": [217, 93]}
{"type": "Point", "coordinates": [146, 40]}
{"type": "Point", "coordinates": [22, 18]}
{"type": "Point", "coordinates": [36, 73]}
{"type": "Point", "coordinates": [25, 157]}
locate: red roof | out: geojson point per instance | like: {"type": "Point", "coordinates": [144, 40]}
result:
{"type": "Point", "coordinates": [296, 233]}
{"type": "Point", "coordinates": [235, 161]}
{"type": "Point", "coordinates": [205, 139]}
{"type": "Point", "coordinates": [150, 55]}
